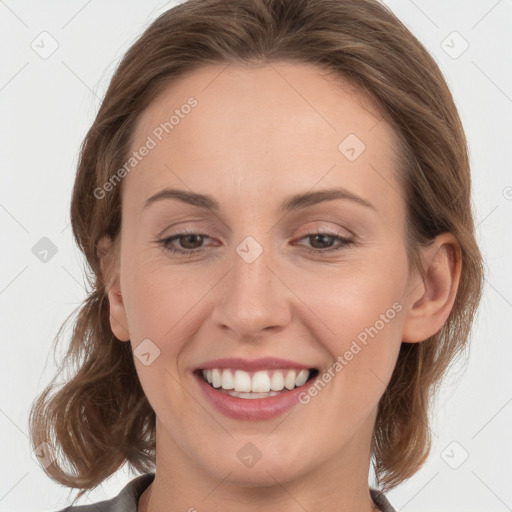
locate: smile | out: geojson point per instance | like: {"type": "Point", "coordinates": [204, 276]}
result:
{"type": "Point", "coordinates": [259, 395]}
{"type": "Point", "coordinates": [259, 384]}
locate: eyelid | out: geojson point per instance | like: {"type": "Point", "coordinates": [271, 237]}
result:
{"type": "Point", "coordinates": [208, 226]}
{"type": "Point", "coordinates": [189, 226]}
{"type": "Point", "coordinates": [333, 230]}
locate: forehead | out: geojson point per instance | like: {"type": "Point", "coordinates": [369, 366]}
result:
{"type": "Point", "coordinates": [286, 124]}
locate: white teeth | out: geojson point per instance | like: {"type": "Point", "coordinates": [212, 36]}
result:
{"type": "Point", "coordinates": [252, 395]}
{"type": "Point", "coordinates": [302, 377]}
{"type": "Point", "coordinates": [277, 381]}
{"type": "Point", "coordinates": [227, 380]}
{"type": "Point", "coordinates": [216, 378]}
{"type": "Point", "coordinates": [289, 380]}
{"type": "Point", "coordinates": [242, 381]}
{"type": "Point", "coordinates": [260, 382]}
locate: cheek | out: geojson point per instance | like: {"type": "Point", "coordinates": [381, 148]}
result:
{"type": "Point", "coordinates": [160, 298]}
{"type": "Point", "coordinates": [159, 310]}
{"type": "Point", "coordinates": [363, 308]}
{"type": "Point", "coordinates": [166, 307]}
{"type": "Point", "coordinates": [364, 295]}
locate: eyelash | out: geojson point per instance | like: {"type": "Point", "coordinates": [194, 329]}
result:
{"type": "Point", "coordinates": [164, 242]}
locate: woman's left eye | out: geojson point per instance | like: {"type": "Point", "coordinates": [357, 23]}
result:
{"type": "Point", "coordinates": [191, 239]}
{"type": "Point", "coordinates": [326, 238]}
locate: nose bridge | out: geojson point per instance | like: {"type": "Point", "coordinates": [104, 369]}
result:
{"type": "Point", "coordinates": [250, 273]}
{"type": "Point", "coordinates": [253, 298]}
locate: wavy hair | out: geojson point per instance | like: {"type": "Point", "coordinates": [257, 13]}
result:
{"type": "Point", "coordinates": [100, 418]}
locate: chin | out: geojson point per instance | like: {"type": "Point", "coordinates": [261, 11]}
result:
{"type": "Point", "coordinates": [246, 466]}
{"type": "Point", "coordinates": [260, 475]}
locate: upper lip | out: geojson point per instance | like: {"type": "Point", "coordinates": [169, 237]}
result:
{"type": "Point", "coordinates": [264, 363]}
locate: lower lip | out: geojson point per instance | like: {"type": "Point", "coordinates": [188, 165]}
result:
{"type": "Point", "coordinates": [251, 408]}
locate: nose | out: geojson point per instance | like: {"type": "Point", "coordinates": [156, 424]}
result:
{"type": "Point", "coordinates": [253, 300]}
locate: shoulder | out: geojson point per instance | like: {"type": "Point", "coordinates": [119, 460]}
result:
{"type": "Point", "coordinates": [125, 501]}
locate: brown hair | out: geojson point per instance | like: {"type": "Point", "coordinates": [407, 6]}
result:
{"type": "Point", "coordinates": [100, 418]}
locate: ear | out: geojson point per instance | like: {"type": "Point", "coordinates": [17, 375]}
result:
{"type": "Point", "coordinates": [432, 297]}
{"type": "Point", "coordinates": [109, 260]}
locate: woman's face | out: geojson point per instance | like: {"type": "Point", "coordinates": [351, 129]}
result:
{"type": "Point", "coordinates": [252, 287]}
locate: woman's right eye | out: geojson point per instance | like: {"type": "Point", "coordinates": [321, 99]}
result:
{"type": "Point", "coordinates": [188, 238]}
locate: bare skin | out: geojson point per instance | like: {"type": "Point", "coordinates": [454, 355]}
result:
{"type": "Point", "coordinates": [256, 137]}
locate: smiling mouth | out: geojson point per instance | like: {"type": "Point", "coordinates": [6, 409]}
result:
{"type": "Point", "coordinates": [259, 384]}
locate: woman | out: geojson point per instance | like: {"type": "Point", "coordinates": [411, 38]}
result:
{"type": "Point", "coordinates": [274, 200]}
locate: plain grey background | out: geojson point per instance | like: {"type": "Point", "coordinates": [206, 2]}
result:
{"type": "Point", "coordinates": [57, 60]}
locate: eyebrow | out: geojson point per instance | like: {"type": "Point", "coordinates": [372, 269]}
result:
{"type": "Point", "coordinates": [295, 202]}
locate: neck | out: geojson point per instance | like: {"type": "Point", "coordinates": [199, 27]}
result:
{"type": "Point", "coordinates": [181, 484]}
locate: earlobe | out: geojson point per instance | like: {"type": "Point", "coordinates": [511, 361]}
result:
{"type": "Point", "coordinates": [437, 290]}
{"type": "Point", "coordinates": [109, 261]}
{"type": "Point", "coordinates": [118, 321]}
